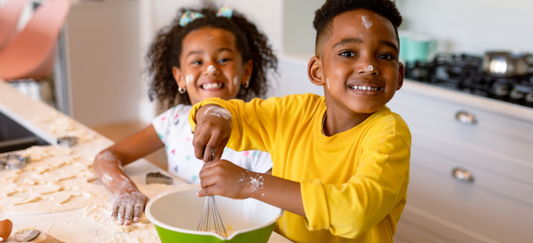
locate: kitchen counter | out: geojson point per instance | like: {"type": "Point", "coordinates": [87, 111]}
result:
{"type": "Point", "coordinates": [75, 225]}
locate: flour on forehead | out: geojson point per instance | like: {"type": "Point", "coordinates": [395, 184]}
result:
{"type": "Point", "coordinates": [366, 22]}
{"type": "Point", "coordinates": [218, 111]}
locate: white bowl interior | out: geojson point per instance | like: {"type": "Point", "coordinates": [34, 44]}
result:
{"type": "Point", "coordinates": [181, 209]}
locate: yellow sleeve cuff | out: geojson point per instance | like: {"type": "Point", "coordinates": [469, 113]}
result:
{"type": "Point", "coordinates": [315, 205]}
{"type": "Point", "coordinates": [197, 106]}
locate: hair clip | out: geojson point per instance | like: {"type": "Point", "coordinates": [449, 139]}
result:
{"type": "Point", "coordinates": [225, 12]}
{"type": "Point", "coordinates": [188, 17]}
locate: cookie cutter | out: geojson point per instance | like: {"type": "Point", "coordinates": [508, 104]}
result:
{"type": "Point", "coordinates": [21, 161]}
{"type": "Point", "coordinates": [3, 162]}
{"type": "Point", "coordinates": [67, 141]}
{"type": "Point", "coordinates": [158, 178]}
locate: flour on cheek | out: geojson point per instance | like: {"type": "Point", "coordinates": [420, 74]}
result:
{"type": "Point", "coordinates": [235, 81]}
{"type": "Point", "coordinates": [327, 82]}
{"type": "Point", "coordinates": [188, 79]}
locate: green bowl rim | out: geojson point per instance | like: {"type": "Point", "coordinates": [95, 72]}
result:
{"type": "Point", "coordinates": [188, 187]}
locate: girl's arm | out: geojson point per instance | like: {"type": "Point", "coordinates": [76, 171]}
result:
{"type": "Point", "coordinates": [129, 202]}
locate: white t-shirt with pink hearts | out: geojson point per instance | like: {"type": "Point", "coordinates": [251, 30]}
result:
{"type": "Point", "coordinates": [175, 132]}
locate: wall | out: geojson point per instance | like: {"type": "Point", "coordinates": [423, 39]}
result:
{"type": "Point", "coordinates": [298, 32]}
{"type": "Point", "coordinates": [472, 26]}
{"type": "Point", "coordinates": [103, 47]}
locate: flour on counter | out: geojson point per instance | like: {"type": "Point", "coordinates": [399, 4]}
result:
{"type": "Point", "coordinates": [55, 181]}
{"type": "Point", "coordinates": [60, 125]}
{"type": "Point", "coordinates": [101, 214]}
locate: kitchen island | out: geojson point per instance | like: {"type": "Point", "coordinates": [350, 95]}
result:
{"type": "Point", "coordinates": [91, 221]}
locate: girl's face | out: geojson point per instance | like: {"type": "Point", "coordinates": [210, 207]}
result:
{"type": "Point", "coordinates": [211, 65]}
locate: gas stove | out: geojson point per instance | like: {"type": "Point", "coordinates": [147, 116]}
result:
{"type": "Point", "coordinates": [464, 73]}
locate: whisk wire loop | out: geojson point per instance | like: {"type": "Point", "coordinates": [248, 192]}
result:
{"type": "Point", "coordinates": [210, 216]}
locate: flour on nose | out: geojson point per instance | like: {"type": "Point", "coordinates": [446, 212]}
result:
{"type": "Point", "coordinates": [366, 22]}
{"type": "Point", "coordinates": [211, 69]}
{"type": "Point", "coordinates": [370, 68]}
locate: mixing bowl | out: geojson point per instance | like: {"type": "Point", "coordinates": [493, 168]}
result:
{"type": "Point", "coordinates": [176, 215]}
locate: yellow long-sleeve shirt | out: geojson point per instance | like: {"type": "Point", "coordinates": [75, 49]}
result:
{"type": "Point", "coordinates": [353, 183]}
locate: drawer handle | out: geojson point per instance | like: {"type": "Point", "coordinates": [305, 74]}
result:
{"type": "Point", "coordinates": [463, 175]}
{"type": "Point", "coordinates": [465, 117]}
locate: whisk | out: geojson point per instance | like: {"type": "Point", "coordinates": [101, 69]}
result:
{"type": "Point", "coordinates": [211, 218]}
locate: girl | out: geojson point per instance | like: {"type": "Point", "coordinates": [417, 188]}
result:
{"type": "Point", "coordinates": [204, 53]}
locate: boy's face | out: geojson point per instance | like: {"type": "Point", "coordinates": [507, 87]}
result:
{"type": "Point", "coordinates": [358, 64]}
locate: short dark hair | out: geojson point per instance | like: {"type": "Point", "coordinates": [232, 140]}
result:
{"type": "Point", "coordinates": [324, 16]}
{"type": "Point", "coordinates": [166, 50]}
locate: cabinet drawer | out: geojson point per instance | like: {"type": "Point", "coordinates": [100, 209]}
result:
{"type": "Point", "coordinates": [494, 142]}
{"type": "Point", "coordinates": [489, 209]}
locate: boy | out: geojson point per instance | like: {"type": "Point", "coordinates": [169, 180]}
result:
{"type": "Point", "coordinates": [341, 161]}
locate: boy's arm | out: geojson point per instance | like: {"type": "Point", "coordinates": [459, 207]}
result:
{"type": "Point", "coordinates": [227, 179]}
{"type": "Point", "coordinates": [252, 126]}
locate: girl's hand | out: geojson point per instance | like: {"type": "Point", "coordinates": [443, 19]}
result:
{"type": "Point", "coordinates": [128, 206]}
{"type": "Point", "coordinates": [229, 180]}
{"type": "Point", "coordinates": [212, 132]}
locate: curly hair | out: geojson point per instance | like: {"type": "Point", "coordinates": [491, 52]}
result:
{"type": "Point", "coordinates": [166, 50]}
{"type": "Point", "coordinates": [324, 16]}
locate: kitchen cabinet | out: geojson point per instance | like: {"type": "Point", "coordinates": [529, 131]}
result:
{"type": "Point", "coordinates": [457, 137]}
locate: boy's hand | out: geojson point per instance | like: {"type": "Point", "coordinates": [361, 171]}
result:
{"type": "Point", "coordinates": [212, 132]}
{"type": "Point", "coordinates": [128, 206]}
{"type": "Point", "coordinates": [223, 178]}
